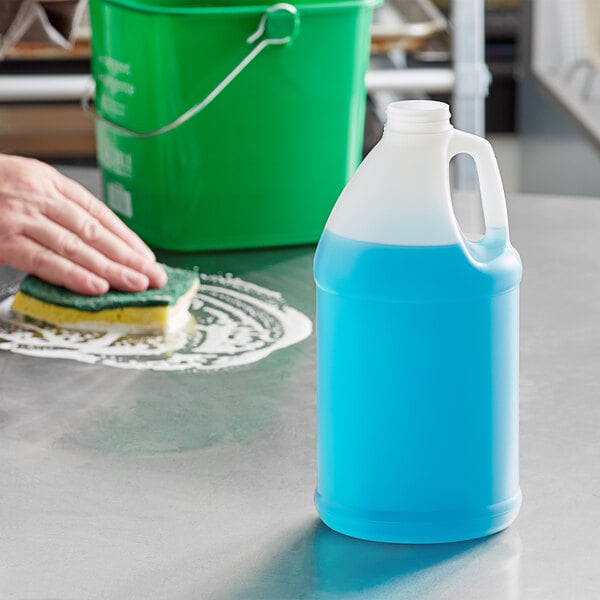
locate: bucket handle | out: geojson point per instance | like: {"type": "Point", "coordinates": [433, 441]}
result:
{"type": "Point", "coordinates": [263, 27]}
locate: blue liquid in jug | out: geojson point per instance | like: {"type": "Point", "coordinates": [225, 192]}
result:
{"type": "Point", "coordinates": [417, 370]}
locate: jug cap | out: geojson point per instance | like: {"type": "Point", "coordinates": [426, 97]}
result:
{"type": "Point", "coordinates": [418, 116]}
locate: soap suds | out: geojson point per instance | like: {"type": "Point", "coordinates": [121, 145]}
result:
{"type": "Point", "coordinates": [236, 323]}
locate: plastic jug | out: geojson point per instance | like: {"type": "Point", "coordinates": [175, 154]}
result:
{"type": "Point", "coordinates": [417, 345]}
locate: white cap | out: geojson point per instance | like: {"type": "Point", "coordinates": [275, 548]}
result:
{"type": "Point", "coordinates": [418, 116]}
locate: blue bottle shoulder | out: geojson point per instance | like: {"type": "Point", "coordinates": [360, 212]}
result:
{"type": "Point", "coordinates": [430, 273]}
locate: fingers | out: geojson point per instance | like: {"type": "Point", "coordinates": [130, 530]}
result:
{"type": "Point", "coordinates": [100, 228]}
{"type": "Point", "coordinates": [75, 192]}
{"type": "Point", "coordinates": [92, 234]}
{"type": "Point", "coordinates": [30, 256]}
{"type": "Point", "coordinates": [68, 245]}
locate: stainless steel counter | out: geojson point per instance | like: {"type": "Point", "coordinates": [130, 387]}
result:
{"type": "Point", "coordinates": [138, 485]}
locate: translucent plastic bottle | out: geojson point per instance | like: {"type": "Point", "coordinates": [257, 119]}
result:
{"type": "Point", "coordinates": [417, 345]}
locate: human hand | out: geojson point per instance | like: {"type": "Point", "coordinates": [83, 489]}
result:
{"type": "Point", "coordinates": [54, 228]}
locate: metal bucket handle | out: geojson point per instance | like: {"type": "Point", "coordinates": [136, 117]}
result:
{"type": "Point", "coordinates": [194, 110]}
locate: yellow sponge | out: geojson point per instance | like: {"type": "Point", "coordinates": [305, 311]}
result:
{"type": "Point", "coordinates": [158, 310]}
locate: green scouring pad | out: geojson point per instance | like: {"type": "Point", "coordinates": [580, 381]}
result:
{"type": "Point", "coordinates": [153, 310]}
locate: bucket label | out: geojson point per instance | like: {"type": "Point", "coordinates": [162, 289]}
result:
{"type": "Point", "coordinates": [119, 199]}
{"type": "Point", "coordinates": [114, 66]}
{"type": "Point", "coordinates": [116, 86]}
{"type": "Point", "coordinates": [114, 82]}
{"type": "Point", "coordinates": [111, 106]}
{"type": "Point", "coordinates": [110, 157]}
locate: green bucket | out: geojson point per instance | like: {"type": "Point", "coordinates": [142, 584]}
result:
{"type": "Point", "coordinates": [228, 126]}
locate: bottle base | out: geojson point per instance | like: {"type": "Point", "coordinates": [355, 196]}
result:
{"type": "Point", "coordinates": [417, 527]}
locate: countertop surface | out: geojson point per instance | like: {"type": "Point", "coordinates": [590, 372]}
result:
{"type": "Point", "coordinates": [128, 484]}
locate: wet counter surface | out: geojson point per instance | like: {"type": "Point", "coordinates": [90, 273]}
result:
{"type": "Point", "coordinates": [124, 484]}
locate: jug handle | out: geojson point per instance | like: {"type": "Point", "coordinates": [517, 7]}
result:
{"type": "Point", "coordinates": [490, 183]}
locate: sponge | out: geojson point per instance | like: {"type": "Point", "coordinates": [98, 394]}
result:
{"type": "Point", "coordinates": [154, 310]}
